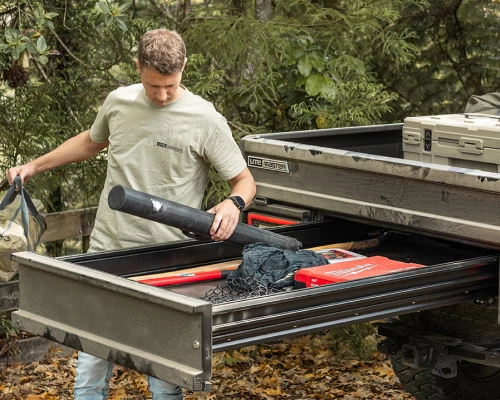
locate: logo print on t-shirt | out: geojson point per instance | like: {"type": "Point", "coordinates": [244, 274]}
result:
{"type": "Point", "coordinates": [169, 147]}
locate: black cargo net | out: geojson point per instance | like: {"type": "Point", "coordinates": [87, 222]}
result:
{"type": "Point", "coordinates": [238, 289]}
{"type": "Point", "coordinates": [265, 269]}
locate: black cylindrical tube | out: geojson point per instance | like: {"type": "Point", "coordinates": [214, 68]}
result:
{"type": "Point", "coordinates": [189, 219]}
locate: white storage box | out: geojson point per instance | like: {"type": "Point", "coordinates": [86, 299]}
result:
{"type": "Point", "coordinates": [457, 140]}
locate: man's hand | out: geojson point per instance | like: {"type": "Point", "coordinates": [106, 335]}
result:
{"type": "Point", "coordinates": [226, 213]}
{"type": "Point", "coordinates": [25, 171]}
{"type": "Point", "coordinates": [225, 221]}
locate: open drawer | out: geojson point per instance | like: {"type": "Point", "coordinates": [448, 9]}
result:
{"type": "Point", "coordinates": [86, 302]}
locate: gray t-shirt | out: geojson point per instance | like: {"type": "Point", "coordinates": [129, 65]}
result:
{"type": "Point", "coordinates": [163, 151]}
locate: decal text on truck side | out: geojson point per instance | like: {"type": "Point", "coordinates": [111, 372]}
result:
{"type": "Point", "coordinates": [267, 163]}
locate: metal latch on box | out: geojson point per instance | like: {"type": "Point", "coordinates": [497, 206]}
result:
{"type": "Point", "coordinates": [412, 138]}
{"type": "Point", "coordinates": [470, 145]}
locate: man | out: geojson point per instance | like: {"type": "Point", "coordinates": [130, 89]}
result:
{"type": "Point", "coordinates": [161, 139]}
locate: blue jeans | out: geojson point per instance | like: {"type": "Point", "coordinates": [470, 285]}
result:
{"type": "Point", "coordinates": [93, 375]}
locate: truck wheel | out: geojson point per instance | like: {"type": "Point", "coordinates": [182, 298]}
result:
{"type": "Point", "coordinates": [473, 381]}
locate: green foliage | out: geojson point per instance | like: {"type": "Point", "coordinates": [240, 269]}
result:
{"type": "Point", "coordinates": [459, 56]}
{"type": "Point", "coordinates": [356, 103]}
{"type": "Point", "coordinates": [19, 46]}
{"type": "Point", "coordinates": [111, 13]}
{"type": "Point", "coordinates": [6, 327]}
{"type": "Point", "coordinates": [8, 334]}
{"type": "Point", "coordinates": [228, 359]}
{"type": "Point", "coordinates": [215, 191]}
{"type": "Point", "coordinates": [307, 65]}
{"type": "Point", "coordinates": [58, 63]}
{"type": "Point", "coordinates": [359, 339]}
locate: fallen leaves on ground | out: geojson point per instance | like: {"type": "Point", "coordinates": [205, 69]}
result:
{"type": "Point", "coordinates": [308, 367]}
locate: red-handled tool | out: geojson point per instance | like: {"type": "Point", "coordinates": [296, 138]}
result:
{"type": "Point", "coordinates": [221, 270]}
{"type": "Point", "coordinates": [188, 278]}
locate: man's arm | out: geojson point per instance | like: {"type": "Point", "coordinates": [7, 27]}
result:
{"type": "Point", "coordinates": [77, 148]}
{"type": "Point", "coordinates": [226, 212]}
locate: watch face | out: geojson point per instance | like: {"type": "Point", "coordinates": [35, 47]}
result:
{"type": "Point", "coordinates": [240, 203]}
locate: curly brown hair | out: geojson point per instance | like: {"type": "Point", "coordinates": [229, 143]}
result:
{"type": "Point", "coordinates": [162, 50]}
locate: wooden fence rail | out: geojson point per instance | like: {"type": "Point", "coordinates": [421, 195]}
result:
{"type": "Point", "coordinates": [70, 224]}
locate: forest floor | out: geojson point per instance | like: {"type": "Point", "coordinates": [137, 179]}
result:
{"type": "Point", "coordinates": [338, 364]}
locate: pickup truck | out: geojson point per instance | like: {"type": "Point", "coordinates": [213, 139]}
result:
{"type": "Point", "coordinates": [440, 322]}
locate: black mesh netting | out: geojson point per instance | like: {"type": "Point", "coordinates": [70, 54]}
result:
{"type": "Point", "coordinates": [238, 289]}
{"type": "Point", "coordinates": [265, 269]}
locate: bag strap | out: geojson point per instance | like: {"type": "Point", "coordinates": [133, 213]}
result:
{"type": "Point", "coordinates": [10, 196]}
{"type": "Point", "coordinates": [27, 205]}
{"type": "Point", "coordinates": [34, 212]}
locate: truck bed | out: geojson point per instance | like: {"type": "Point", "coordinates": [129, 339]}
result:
{"type": "Point", "coordinates": [361, 173]}
{"type": "Point", "coordinates": [352, 184]}
{"type": "Point", "coordinates": [87, 302]}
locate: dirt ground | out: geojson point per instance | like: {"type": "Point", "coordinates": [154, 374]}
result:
{"type": "Point", "coordinates": [321, 366]}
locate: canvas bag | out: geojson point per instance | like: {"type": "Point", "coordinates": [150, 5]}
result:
{"type": "Point", "coordinates": [486, 104]}
{"type": "Point", "coordinates": [21, 227]}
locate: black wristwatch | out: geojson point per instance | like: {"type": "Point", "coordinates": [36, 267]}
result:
{"type": "Point", "coordinates": [238, 202]}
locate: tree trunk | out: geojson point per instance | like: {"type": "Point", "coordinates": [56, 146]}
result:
{"type": "Point", "coordinates": [263, 10]}
{"type": "Point", "coordinates": [56, 203]}
{"type": "Point", "coordinates": [55, 248]}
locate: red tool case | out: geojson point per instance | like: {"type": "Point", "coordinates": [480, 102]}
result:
{"type": "Point", "coordinates": [349, 270]}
